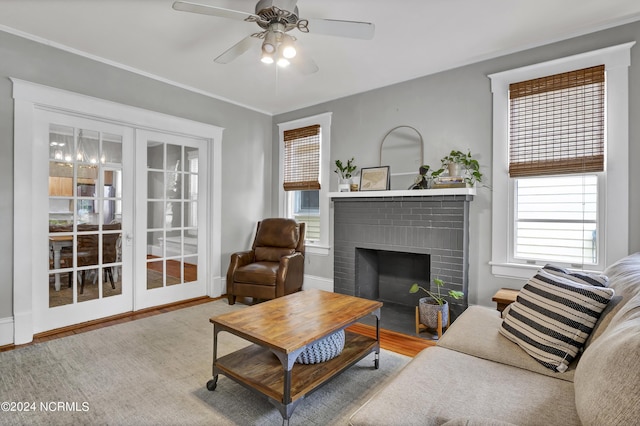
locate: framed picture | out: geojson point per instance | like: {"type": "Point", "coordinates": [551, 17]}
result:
{"type": "Point", "coordinates": [374, 178]}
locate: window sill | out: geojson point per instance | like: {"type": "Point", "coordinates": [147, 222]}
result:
{"type": "Point", "coordinates": [513, 270]}
{"type": "Point", "coordinates": [526, 271]}
{"type": "Point", "coordinates": [317, 249]}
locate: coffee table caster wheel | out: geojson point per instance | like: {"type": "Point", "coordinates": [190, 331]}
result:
{"type": "Point", "coordinates": [212, 384]}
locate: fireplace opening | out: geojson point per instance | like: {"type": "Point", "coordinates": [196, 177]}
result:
{"type": "Point", "coordinates": [387, 275]}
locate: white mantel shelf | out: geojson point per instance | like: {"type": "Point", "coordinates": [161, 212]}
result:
{"type": "Point", "coordinates": [404, 193]}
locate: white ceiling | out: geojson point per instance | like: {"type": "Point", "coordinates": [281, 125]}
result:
{"type": "Point", "coordinates": [413, 38]}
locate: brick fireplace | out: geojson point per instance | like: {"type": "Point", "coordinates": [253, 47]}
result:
{"type": "Point", "coordinates": [382, 244]}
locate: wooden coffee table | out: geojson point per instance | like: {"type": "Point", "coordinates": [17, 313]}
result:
{"type": "Point", "coordinates": [285, 327]}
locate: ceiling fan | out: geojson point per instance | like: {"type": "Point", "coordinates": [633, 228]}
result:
{"type": "Point", "coordinates": [276, 18]}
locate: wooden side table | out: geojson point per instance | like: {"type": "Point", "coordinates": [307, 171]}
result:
{"type": "Point", "coordinates": [504, 297]}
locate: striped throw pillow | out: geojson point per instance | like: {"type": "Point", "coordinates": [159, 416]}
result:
{"type": "Point", "coordinates": [599, 280]}
{"type": "Point", "coordinates": [553, 316]}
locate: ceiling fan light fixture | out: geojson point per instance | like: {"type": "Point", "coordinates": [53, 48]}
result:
{"type": "Point", "coordinates": [288, 48]}
{"type": "Point", "coordinates": [267, 58]}
{"type": "Point", "coordinates": [270, 42]}
{"type": "Point", "coordinates": [276, 18]}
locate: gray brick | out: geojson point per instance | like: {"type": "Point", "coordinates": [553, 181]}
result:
{"type": "Point", "coordinates": [433, 225]}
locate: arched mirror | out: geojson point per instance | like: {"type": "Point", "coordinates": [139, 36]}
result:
{"type": "Point", "coordinates": [402, 149]}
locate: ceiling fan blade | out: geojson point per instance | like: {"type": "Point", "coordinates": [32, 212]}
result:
{"type": "Point", "coordinates": [185, 6]}
{"type": "Point", "coordinates": [234, 51]}
{"type": "Point", "coordinates": [302, 62]}
{"type": "Point", "coordinates": [351, 29]}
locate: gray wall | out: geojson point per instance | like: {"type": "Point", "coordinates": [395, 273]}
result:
{"type": "Point", "coordinates": [246, 180]}
{"type": "Point", "coordinates": [453, 110]}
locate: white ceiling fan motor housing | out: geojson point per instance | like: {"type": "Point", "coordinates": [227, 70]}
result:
{"type": "Point", "coordinates": [267, 10]}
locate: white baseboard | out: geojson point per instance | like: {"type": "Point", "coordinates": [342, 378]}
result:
{"type": "Point", "coordinates": [6, 331]}
{"type": "Point", "coordinates": [320, 283]}
{"type": "Point", "coordinates": [218, 287]}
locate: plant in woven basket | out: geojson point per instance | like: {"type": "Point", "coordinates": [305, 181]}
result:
{"type": "Point", "coordinates": [428, 307]}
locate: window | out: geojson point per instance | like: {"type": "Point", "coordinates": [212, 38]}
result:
{"type": "Point", "coordinates": [304, 164]}
{"type": "Point", "coordinates": [556, 127]}
{"type": "Point", "coordinates": [306, 208]}
{"type": "Point", "coordinates": [556, 219]}
{"type": "Point", "coordinates": [560, 163]}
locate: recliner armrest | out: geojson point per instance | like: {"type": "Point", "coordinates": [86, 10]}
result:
{"type": "Point", "coordinates": [290, 274]}
{"type": "Point", "coordinates": [243, 257]}
{"type": "Point", "coordinates": [238, 259]}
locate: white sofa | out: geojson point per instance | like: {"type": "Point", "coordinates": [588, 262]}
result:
{"type": "Point", "coordinates": [476, 376]}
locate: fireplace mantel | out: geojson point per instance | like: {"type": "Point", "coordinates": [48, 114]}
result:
{"type": "Point", "coordinates": [404, 193]}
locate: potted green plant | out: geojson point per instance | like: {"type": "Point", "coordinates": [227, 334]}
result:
{"type": "Point", "coordinates": [345, 172]}
{"type": "Point", "coordinates": [464, 165]}
{"type": "Point", "coordinates": [429, 307]}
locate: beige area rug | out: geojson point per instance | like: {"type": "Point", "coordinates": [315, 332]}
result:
{"type": "Point", "coordinates": [153, 371]}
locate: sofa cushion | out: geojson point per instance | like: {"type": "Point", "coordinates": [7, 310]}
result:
{"type": "Point", "coordinates": [271, 254]}
{"type": "Point", "coordinates": [276, 237]}
{"type": "Point", "coordinates": [440, 385]}
{"type": "Point", "coordinates": [553, 317]}
{"type": "Point", "coordinates": [624, 278]}
{"type": "Point", "coordinates": [263, 273]}
{"type": "Point", "coordinates": [476, 332]}
{"type": "Point", "coordinates": [607, 379]}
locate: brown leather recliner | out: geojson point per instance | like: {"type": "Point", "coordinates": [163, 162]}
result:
{"type": "Point", "coordinates": [274, 266]}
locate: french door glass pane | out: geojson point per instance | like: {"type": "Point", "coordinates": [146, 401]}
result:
{"type": "Point", "coordinates": [172, 194]}
{"type": "Point", "coordinates": [85, 211]}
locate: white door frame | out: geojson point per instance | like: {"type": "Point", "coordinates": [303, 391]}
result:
{"type": "Point", "coordinates": [29, 97]}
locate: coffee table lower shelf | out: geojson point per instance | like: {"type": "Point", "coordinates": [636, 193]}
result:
{"type": "Point", "coordinates": [259, 369]}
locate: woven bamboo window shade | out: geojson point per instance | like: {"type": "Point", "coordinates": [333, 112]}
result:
{"type": "Point", "coordinates": [302, 158]}
{"type": "Point", "coordinates": [557, 124]}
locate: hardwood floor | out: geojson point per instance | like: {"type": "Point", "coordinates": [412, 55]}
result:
{"type": "Point", "coordinates": [394, 341]}
{"type": "Point", "coordinates": [389, 340]}
{"type": "Point", "coordinates": [109, 321]}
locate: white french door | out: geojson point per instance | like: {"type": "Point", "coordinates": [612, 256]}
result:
{"type": "Point", "coordinates": [116, 208]}
{"type": "Point", "coordinates": [170, 223]}
{"type": "Point", "coordinates": [85, 204]}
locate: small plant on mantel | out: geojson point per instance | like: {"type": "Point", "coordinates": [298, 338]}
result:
{"type": "Point", "coordinates": [345, 171]}
{"type": "Point", "coordinates": [471, 166]}
{"type": "Point", "coordinates": [437, 297]}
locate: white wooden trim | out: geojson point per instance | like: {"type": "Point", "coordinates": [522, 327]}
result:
{"type": "Point", "coordinates": [320, 283]}
{"type": "Point", "coordinates": [214, 286]}
{"type": "Point", "coordinates": [325, 154]}
{"type": "Point", "coordinates": [405, 193]}
{"type": "Point", "coordinates": [6, 331]}
{"type": "Point", "coordinates": [615, 200]}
